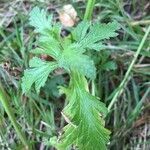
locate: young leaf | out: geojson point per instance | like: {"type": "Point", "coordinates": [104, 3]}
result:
{"type": "Point", "coordinates": [38, 74]}
{"type": "Point", "coordinates": [40, 21]}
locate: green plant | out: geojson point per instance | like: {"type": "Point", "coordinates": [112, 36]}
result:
{"type": "Point", "coordinates": [84, 112]}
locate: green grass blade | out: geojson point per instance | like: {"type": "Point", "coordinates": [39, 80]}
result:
{"type": "Point", "coordinates": [127, 75]}
{"type": "Point", "coordinates": [4, 99]}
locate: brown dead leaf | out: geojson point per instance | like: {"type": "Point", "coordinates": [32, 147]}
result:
{"type": "Point", "coordinates": [68, 16]}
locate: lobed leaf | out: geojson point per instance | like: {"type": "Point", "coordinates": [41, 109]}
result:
{"type": "Point", "coordinates": [81, 30]}
{"type": "Point", "coordinates": [85, 128]}
{"type": "Point", "coordinates": [38, 74]}
{"type": "Point", "coordinates": [48, 46]}
{"type": "Point", "coordinates": [87, 36]}
{"type": "Point", "coordinates": [39, 20]}
{"type": "Point", "coordinates": [72, 59]}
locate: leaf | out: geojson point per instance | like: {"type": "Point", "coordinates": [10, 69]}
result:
{"type": "Point", "coordinates": [49, 46]}
{"type": "Point", "coordinates": [72, 59]}
{"type": "Point", "coordinates": [39, 20]}
{"type": "Point", "coordinates": [49, 42]}
{"type": "Point", "coordinates": [97, 46]}
{"type": "Point", "coordinates": [87, 36]}
{"type": "Point", "coordinates": [38, 74]}
{"type": "Point", "coordinates": [109, 65]}
{"type": "Point", "coordinates": [81, 30]}
{"type": "Point", "coordinates": [85, 128]}
{"type": "Point", "coordinates": [51, 88]}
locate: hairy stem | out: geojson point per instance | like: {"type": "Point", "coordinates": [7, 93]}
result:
{"type": "Point", "coordinates": [4, 99]}
{"type": "Point", "coordinates": [89, 10]}
{"type": "Point", "coordinates": [127, 75]}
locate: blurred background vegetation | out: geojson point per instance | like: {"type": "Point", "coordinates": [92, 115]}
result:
{"type": "Point", "coordinates": [40, 115]}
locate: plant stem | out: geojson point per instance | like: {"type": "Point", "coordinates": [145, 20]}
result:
{"type": "Point", "coordinates": [88, 16]}
{"type": "Point", "coordinates": [127, 75]}
{"type": "Point", "coordinates": [5, 103]}
{"type": "Point", "coordinates": [89, 10]}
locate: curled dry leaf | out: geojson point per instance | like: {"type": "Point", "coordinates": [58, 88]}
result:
{"type": "Point", "coordinates": [68, 15]}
